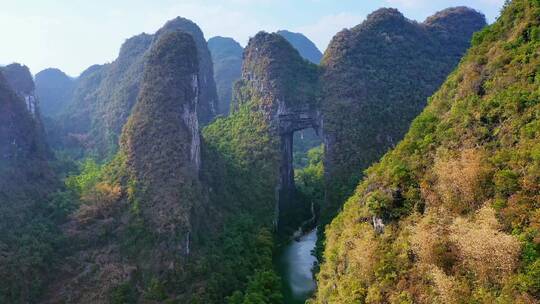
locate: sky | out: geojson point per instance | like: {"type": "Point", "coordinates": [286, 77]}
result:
{"type": "Point", "coordinates": [74, 34]}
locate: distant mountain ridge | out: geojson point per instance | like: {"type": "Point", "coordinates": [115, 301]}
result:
{"type": "Point", "coordinates": [227, 59]}
{"type": "Point", "coordinates": [55, 91]}
{"type": "Point", "coordinates": [306, 47]}
{"type": "Point", "coordinates": [174, 177]}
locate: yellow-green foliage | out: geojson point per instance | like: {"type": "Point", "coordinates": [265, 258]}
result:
{"type": "Point", "coordinates": [460, 195]}
{"type": "Point", "coordinates": [309, 180]}
{"type": "Point", "coordinates": [240, 167]}
{"type": "Point", "coordinates": [241, 155]}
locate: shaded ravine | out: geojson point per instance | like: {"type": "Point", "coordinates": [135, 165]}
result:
{"type": "Point", "coordinates": [295, 263]}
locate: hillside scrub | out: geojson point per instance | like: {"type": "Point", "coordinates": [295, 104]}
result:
{"type": "Point", "coordinates": [459, 195]}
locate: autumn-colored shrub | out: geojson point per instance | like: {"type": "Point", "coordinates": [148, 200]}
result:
{"type": "Point", "coordinates": [446, 286]}
{"type": "Point", "coordinates": [461, 181]}
{"type": "Point", "coordinates": [491, 254]}
{"type": "Point", "coordinates": [431, 242]}
{"type": "Point", "coordinates": [98, 202]}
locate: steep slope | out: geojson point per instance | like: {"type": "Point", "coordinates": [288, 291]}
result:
{"type": "Point", "coordinates": [54, 90]}
{"type": "Point", "coordinates": [451, 214]}
{"type": "Point", "coordinates": [306, 139]}
{"type": "Point", "coordinates": [227, 59]}
{"type": "Point", "coordinates": [105, 95]}
{"type": "Point", "coordinates": [280, 84]}
{"type": "Point", "coordinates": [27, 236]}
{"type": "Point", "coordinates": [377, 77]}
{"type": "Point", "coordinates": [171, 219]}
{"type": "Point", "coordinates": [305, 47]}
{"type": "Point", "coordinates": [20, 136]}
{"type": "Point", "coordinates": [241, 159]}
{"type": "Point", "coordinates": [19, 78]}
{"type": "Point", "coordinates": [241, 168]}
{"type": "Point", "coordinates": [161, 138]}
{"type": "Point", "coordinates": [137, 218]}
{"type": "Point", "coordinates": [208, 101]}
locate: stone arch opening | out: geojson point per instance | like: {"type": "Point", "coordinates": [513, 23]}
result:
{"type": "Point", "coordinates": [289, 124]}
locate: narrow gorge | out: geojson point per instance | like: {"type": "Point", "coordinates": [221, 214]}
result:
{"type": "Point", "coordinates": [196, 171]}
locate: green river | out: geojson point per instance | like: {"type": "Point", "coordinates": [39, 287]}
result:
{"type": "Point", "coordinates": [295, 263]}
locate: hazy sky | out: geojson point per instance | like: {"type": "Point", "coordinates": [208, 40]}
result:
{"type": "Point", "coordinates": [74, 34]}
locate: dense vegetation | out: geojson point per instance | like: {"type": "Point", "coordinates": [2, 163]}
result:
{"type": "Point", "coordinates": [29, 236]}
{"type": "Point", "coordinates": [166, 224]}
{"type": "Point", "coordinates": [310, 180]}
{"type": "Point", "coordinates": [451, 214]}
{"type": "Point", "coordinates": [227, 59]}
{"type": "Point", "coordinates": [167, 205]}
{"type": "Point", "coordinates": [377, 78]}
{"type": "Point", "coordinates": [241, 161]}
{"type": "Point", "coordinates": [288, 80]}
{"type": "Point", "coordinates": [283, 87]}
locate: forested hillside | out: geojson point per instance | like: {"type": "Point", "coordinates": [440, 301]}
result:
{"type": "Point", "coordinates": [377, 78]}
{"type": "Point", "coordinates": [187, 171]}
{"type": "Point", "coordinates": [174, 216]}
{"type": "Point", "coordinates": [29, 237]}
{"type": "Point", "coordinates": [450, 215]}
{"type": "Point", "coordinates": [133, 220]}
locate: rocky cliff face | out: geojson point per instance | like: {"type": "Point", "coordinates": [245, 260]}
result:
{"type": "Point", "coordinates": [450, 215]}
{"type": "Point", "coordinates": [21, 81]}
{"type": "Point", "coordinates": [161, 138]}
{"type": "Point", "coordinates": [281, 85]}
{"type": "Point", "coordinates": [207, 107]}
{"type": "Point", "coordinates": [20, 133]}
{"type": "Point", "coordinates": [105, 95]}
{"type": "Point", "coordinates": [55, 90]}
{"type": "Point", "coordinates": [305, 47]}
{"type": "Point", "coordinates": [306, 139]}
{"type": "Point", "coordinates": [377, 78]}
{"type": "Point", "coordinates": [227, 59]}
{"type": "Point", "coordinates": [134, 228]}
